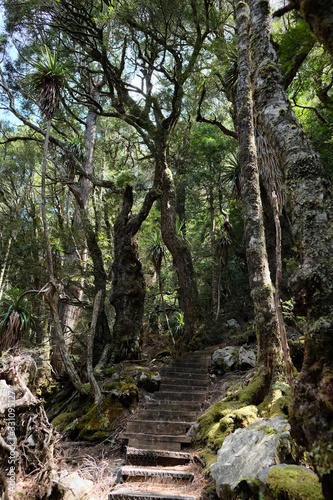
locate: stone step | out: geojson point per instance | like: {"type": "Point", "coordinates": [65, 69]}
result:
{"type": "Point", "coordinates": [193, 365]}
{"type": "Point", "coordinates": [135, 456]}
{"type": "Point", "coordinates": [189, 368]}
{"type": "Point", "coordinates": [179, 396]}
{"type": "Point", "coordinates": [182, 388]}
{"type": "Point", "coordinates": [189, 376]}
{"type": "Point", "coordinates": [199, 382]}
{"type": "Point", "coordinates": [163, 475]}
{"type": "Point", "coordinates": [161, 404]}
{"type": "Point", "coordinates": [158, 427]}
{"type": "Point", "coordinates": [155, 442]}
{"type": "Point", "coordinates": [167, 414]}
{"type": "Point", "coordinates": [126, 493]}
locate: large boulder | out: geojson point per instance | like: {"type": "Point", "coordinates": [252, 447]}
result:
{"type": "Point", "coordinates": [246, 452]}
{"type": "Point", "coordinates": [225, 359]}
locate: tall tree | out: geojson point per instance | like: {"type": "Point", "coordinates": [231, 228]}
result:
{"type": "Point", "coordinates": [48, 78]}
{"type": "Point", "coordinates": [309, 194]}
{"type": "Point", "coordinates": [269, 349]}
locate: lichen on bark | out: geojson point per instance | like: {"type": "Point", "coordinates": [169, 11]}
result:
{"type": "Point", "coordinates": [309, 197]}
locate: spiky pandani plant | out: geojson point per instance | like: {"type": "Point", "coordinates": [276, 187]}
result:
{"type": "Point", "coordinates": [156, 251]}
{"type": "Point", "coordinates": [48, 78]}
{"type": "Point", "coordinates": [15, 318]}
{"type": "Point", "coordinates": [232, 174]}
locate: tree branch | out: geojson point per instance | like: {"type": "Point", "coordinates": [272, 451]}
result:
{"type": "Point", "coordinates": [216, 122]}
{"type": "Point", "coordinates": [285, 9]}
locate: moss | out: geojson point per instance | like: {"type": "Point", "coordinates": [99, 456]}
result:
{"type": "Point", "coordinates": [110, 386]}
{"type": "Point", "coordinates": [99, 422]}
{"type": "Point", "coordinates": [63, 420]}
{"type": "Point", "coordinates": [293, 482]}
{"type": "Point", "coordinates": [217, 423]}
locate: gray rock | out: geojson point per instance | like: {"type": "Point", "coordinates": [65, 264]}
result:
{"type": "Point", "coordinates": [149, 381]}
{"type": "Point", "coordinates": [193, 430]}
{"type": "Point", "coordinates": [72, 486]}
{"type": "Point", "coordinates": [225, 359]}
{"type": "Point", "coordinates": [232, 323]}
{"type": "Point", "coordinates": [247, 358]}
{"type": "Point", "coordinates": [246, 452]}
{"type": "Point", "coordinates": [4, 390]}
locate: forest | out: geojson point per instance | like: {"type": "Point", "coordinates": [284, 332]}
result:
{"type": "Point", "coordinates": [166, 174]}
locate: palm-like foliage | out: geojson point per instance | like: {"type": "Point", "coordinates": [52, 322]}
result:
{"type": "Point", "coordinates": [48, 79]}
{"type": "Point", "coordinates": [15, 319]}
{"type": "Point", "coordinates": [156, 252]}
{"type": "Point", "coordinates": [232, 174]}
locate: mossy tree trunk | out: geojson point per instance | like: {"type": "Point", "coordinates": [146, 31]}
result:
{"type": "Point", "coordinates": [182, 259]}
{"type": "Point", "coordinates": [69, 312]}
{"type": "Point", "coordinates": [269, 349]}
{"type": "Point", "coordinates": [309, 194]}
{"type": "Point", "coordinates": [128, 283]}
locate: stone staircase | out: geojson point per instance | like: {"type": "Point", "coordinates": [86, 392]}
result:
{"type": "Point", "coordinates": [159, 464]}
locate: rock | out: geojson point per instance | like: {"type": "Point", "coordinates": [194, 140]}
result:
{"type": "Point", "coordinates": [246, 452]}
{"type": "Point", "coordinates": [225, 359]}
{"type": "Point", "coordinates": [232, 323]}
{"type": "Point", "coordinates": [193, 430]}
{"type": "Point", "coordinates": [290, 482]}
{"type": "Point", "coordinates": [4, 390]}
{"type": "Point", "coordinates": [247, 358]}
{"type": "Point", "coordinates": [149, 381]}
{"type": "Point", "coordinates": [72, 486]}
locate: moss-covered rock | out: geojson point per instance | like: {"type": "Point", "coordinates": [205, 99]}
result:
{"type": "Point", "coordinates": [217, 423]}
{"type": "Point", "coordinates": [149, 381]}
{"type": "Point", "coordinates": [292, 482]}
{"type": "Point", "coordinates": [98, 422]}
{"type": "Point", "coordinates": [63, 421]}
{"type": "Point", "coordinates": [225, 359]}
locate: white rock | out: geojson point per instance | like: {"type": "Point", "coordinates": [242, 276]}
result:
{"type": "Point", "coordinates": [75, 487]}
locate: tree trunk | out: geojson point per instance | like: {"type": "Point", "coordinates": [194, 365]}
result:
{"type": "Point", "coordinates": [309, 193]}
{"type": "Point", "coordinates": [319, 16]}
{"type": "Point", "coordinates": [128, 284]}
{"type": "Point", "coordinates": [182, 261]}
{"type": "Point", "coordinates": [269, 349]}
{"type": "Point", "coordinates": [52, 297]}
{"type": "Point", "coordinates": [4, 267]}
{"type": "Point", "coordinates": [90, 347]}
{"type": "Point", "coordinates": [68, 312]}
{"type": "Point", "coordinates": [216, 284]}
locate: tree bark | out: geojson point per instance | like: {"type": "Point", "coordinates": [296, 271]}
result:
{"type": "Point", "coordinates": [128, 284]}
{"type": "Point", "coordinates": [319, 16]}
{"type": "Point", "coordinates": [182, 259]}
{"type": "Point", "coordinates": [4, 266]}
{"type": "Point", "coordinates": [90, 347]}
{"type": "Point", "coordinates": [309, 193]}
{"type": "Point", "coordinates": [53, 298]}
{"type": "Point", "coordinates": [68, 312]}
{"type": "Point", "coordinates": [269, 349]}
